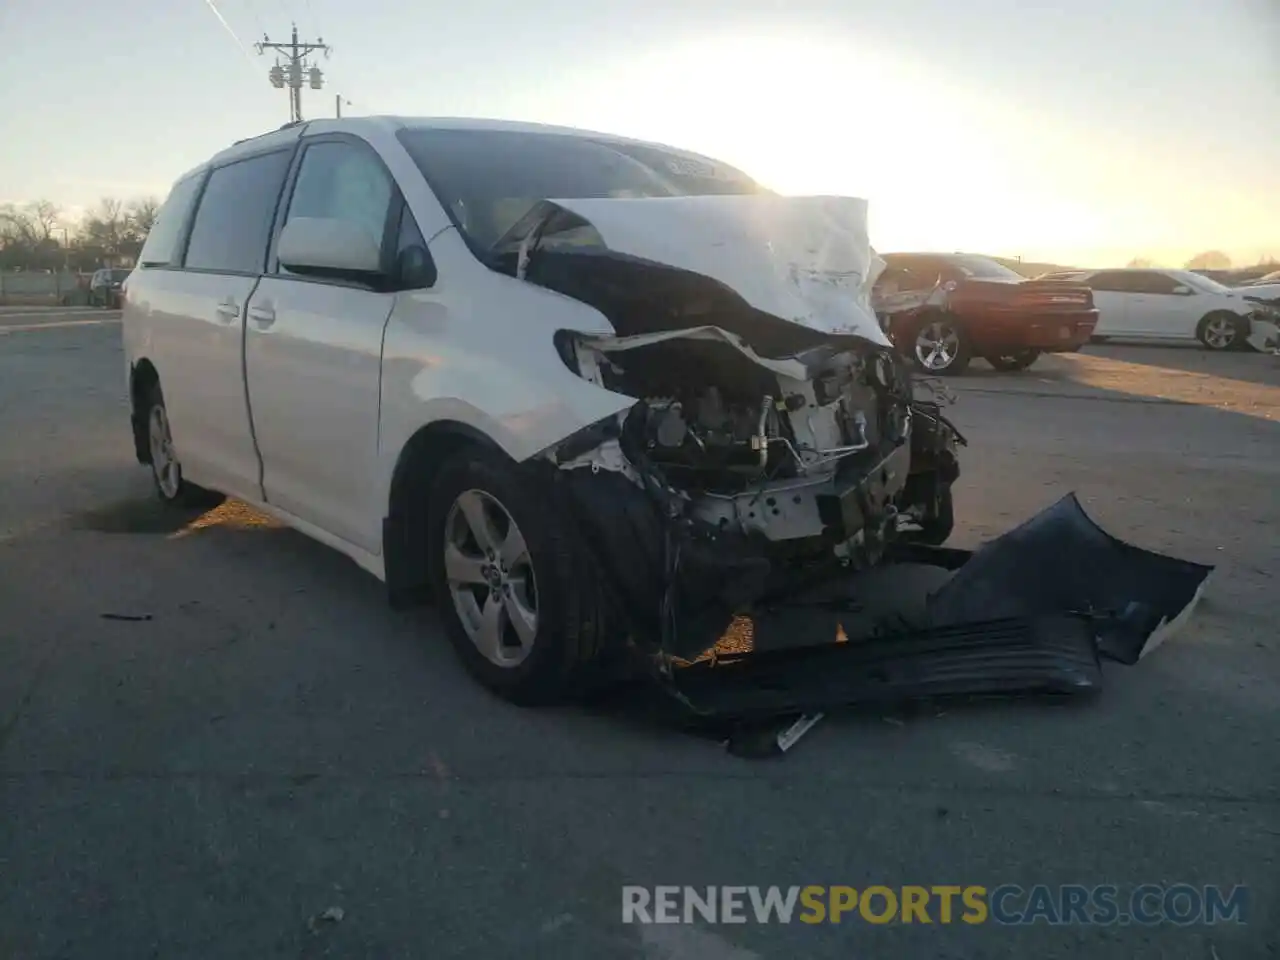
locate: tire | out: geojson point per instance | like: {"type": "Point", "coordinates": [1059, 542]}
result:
{"type": "Point", "coordinates": [1222, 331]}
{"type": "Point", "coordinates": [548, 583]}
{"type": "Point", "coordinates": [1018, 360]}
{"type": "Point", "coordinates": [166, 473]}
{"type": "Point", "coordinates": [937, 529]}
{"type": "Point", "coordinates": [938, 330]}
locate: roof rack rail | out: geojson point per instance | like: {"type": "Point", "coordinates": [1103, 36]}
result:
{"type": "Point", "coordinates": [283, 126]}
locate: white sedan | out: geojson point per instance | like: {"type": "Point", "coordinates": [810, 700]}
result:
{"type": "Point", "coordinates": [1154, 304]}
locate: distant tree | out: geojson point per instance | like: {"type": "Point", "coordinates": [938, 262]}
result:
{"type": "Point", "coordinates": [105, 230]}
{"type": "Point", "coordinates": [142, 215]}
{"type": "Point", "coordinates": [1140, 263]}
{"type": "Point", "coordinates": [26, 236]}
{"type": "Point", "coordinates": [1209, 260]}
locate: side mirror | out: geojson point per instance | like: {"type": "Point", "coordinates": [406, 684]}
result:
{"type": "Point", "coordinates": [323, 245]}
{"type": "Point", "coordinates": [1183, 291]}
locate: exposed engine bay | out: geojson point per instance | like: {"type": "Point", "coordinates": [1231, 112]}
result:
{"type": "Point", "coordinates": [737, 476]}
{"type": "Point", "coordinates": [760, 450]}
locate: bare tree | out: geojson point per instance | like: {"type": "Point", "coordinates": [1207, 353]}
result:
{"type": "Point", "coordinates": [1209, 260]}
{"type": "Point", "coordinates": [26, 235]}
{"type": "Point", "coordinates": [105, 229]}
{"type": "Point", "coordinates": [142, 215]}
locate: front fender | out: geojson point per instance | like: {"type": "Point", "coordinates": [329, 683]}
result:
{"type": "Point", "coordinates": [488, 361]}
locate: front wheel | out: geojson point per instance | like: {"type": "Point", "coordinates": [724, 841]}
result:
{"type": "Point", "coordinates": [1018, 360]}
{"type": "Point", "coordinates": [941, 347]}
{"type": "Point", "coordinates": [1221, 331]}
{"type": "Point", "coordinates": [522, 603]}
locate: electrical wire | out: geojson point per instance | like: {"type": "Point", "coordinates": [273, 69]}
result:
{"type": "Point", "coordinates": [234, 36]}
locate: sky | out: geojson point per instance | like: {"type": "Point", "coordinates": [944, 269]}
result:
{"type": "Point", "coordinates": [1084, 132]}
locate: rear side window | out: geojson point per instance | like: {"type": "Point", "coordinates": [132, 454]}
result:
{"type": "Point", "coordinates": [1114, 282]}
{"type": "Point", "coordinates": [161, 246]}
{"type": "Point", "coordinates": [233, 222]}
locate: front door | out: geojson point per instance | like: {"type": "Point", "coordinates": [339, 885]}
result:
{"type": "Point", "coordinates": [313, 354]}
{"type": "Point", "coordinates": [1163, 307]}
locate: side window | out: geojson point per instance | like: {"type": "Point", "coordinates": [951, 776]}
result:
{"type": "Point", "coordinates": [161, 246]}
{"type": "Point", "coordinates": [415, 268]}
{"type": "Point", "coordinates": [1109, 282]}
{"type": "Point", "coordinates": [233, 222]}
{"type": "Point", "coordinates": [1153, 283]}
{"type": "Point", "coordinates": [903, 276]}
{"type": "Point", "coordinates": [343, 181]}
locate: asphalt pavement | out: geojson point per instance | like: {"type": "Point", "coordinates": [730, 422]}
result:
{"type": "Point", "coordinates": [216, 740]}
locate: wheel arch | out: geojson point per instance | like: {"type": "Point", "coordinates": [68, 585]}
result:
{"type": "Point", "coordinates": [1240, 322]}
{"type": "Point", "coordinates": [142, 377]}
{"type": "Point", "coordinates": [404, 528]}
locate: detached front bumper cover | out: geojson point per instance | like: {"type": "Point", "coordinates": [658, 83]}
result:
{"type": "Point", "coordinates": [1030, 612]}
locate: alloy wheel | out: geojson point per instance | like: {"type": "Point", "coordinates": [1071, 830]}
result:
{"type": "Point", "coordinates": [1219, 333]}
{"type": "Point", "coordinates": [490, 577]}
{"type": "Point", "coordinates": [937, 345]}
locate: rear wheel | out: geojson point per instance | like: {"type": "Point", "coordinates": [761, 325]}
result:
{"type": "Point", "coordinates": [941, 346]}
{"type": "Point", "coordinates": [1221, 331]}
{"type": "Point", "coordinates": [1018, 360]}
{"type": "Point", "coordinates": [166, 468]}
{"type": "Point", "coordinates": [521, 601]}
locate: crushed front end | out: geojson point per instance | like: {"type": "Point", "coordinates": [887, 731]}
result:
{"type": "Point", "coordinates": [737, 477]}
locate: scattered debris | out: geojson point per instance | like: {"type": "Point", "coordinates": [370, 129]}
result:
{"type": "Point", "coordinates": [330, 916]}
{"type": "Point", "coordinates": [131, 617]}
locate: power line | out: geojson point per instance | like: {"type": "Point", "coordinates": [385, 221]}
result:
{"type": "Point", "coordinates": [234, 36]}
{"type": "Point", "coordinates": [289, 75]}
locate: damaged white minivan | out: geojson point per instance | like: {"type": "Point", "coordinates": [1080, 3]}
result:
{"type": "Point", "coordinates": [593, 396]}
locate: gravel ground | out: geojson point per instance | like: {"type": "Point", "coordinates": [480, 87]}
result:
{"type": "Point", "coordinates": [274, 742]}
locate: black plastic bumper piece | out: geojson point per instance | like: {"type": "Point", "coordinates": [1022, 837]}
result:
{"type": "Point", "coordinates": [1050, 654]}
{"type": "Point", "coordinates": [1060, 561]}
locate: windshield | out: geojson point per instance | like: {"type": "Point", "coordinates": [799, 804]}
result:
{"type": "Point", "coordinates": [488, 179]}
{"type": "Point", "coordinates": [983, 268]}
{"type": "Point", "coordinates": [1202, 283]}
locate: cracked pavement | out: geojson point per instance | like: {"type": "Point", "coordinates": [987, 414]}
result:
{"type": "Point", "coordinates": [274, 741]}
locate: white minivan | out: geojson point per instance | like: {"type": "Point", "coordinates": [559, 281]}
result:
{"type": "Point", "coordinates": [590, 394]}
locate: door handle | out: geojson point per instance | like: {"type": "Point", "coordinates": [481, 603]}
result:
{"type": "Point", "coordinates": [228, 310]}
{"type": "Point", "coordinates": [262, 316]}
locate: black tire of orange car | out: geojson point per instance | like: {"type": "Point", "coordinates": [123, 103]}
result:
{"type": "Point", "coordinates": [187, 495]}
{"type": "Point", "coordinates": [1238, 339]}
{"type": "Point", "coordinates": [964, 351]}
{"type": "Point", "coordinates": [567, 658]}
{"type": "Point", "coordinates": [1018, 360]}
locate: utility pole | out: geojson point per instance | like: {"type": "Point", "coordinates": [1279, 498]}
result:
{"type": "Point", "coordinates": [290, 73]}
{"type": "Point", "coordinates": [337, 105]}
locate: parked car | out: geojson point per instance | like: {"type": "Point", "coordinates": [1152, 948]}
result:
{"type": "Point", "coordinates": [961, 306]}
{"type": "Point", "coordinates": [1142, 304]}
{"type": "Point", "coordinates": [105, 286]}
{"type": "Point", "coordinates": [592, 394]}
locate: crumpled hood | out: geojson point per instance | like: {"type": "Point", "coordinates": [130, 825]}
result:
{"type": "Point", "coordinates": [806, 260]}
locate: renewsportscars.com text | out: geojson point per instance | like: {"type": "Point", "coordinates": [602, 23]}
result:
{"type": "Point", "coordinates": [1009, 904]}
